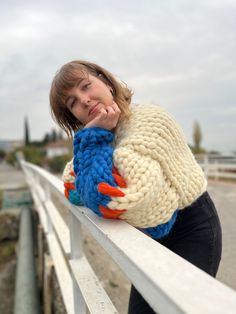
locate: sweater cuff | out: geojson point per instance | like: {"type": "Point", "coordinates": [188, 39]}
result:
{"type": "Point", "coordinates": [90, 137]}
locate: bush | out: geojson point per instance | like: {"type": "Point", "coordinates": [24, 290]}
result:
{"type": "Point", "coordinates": [1, 196]}
{"type": "Point", "coordinates": [196, 151]}
{"type": "Point", "coordinates": [32, 154]}
{"type": "Point", "coordinates": [2, 154]}
{"type": "Point", "coordinates": [10, 157]}
{"type": "Point", "coordinates": [57, 164]}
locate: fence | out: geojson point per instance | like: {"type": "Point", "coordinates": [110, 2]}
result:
{"type": "Point", "coordinates": [218, 167]}
{"type": "Point", "coordinates": [169, 283]}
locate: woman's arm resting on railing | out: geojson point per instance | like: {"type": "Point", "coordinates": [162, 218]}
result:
{"type": "Point", "coordinates": [93, 166]}
{"type": "Point", "coordinates": [68, 178]}
{"type": "Point", "coordinates": [100, 184]}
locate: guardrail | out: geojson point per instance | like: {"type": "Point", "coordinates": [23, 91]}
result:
{"type": "Point", "coordinates": [217, 166]}
{"type": "Point", "coordinates": [168, 283]}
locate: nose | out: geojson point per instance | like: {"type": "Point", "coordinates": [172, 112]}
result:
{"type": "Point", "coordinates": [85, 100]}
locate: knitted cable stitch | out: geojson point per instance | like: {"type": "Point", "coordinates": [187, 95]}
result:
{"type": "Point", "coordinates": [93, 166]}
{"type": "Point", "coordinates": [68, 177]}
{"type": "Point", "coordinates": [96, 178]}
{"type": "Point", "coordinates": [152, 156]}
{"type": "Point", "coordinates": [161, 173]}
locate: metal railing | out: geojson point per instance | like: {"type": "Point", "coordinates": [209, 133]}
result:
{"type": "Point", "coordinates": [168, 282]}
{"type": "Point", "coordinates": [217, 166]}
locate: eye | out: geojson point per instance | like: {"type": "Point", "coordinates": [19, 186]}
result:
{"type": "Point", "coordinates": [71, 102]}
{"type": "Point", "coordinates": [86, 86]}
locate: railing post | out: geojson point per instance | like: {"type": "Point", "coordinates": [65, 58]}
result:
{"type": "Point", "coordinates": [216, 166]}
{"type": "Point", "coordinates": [206, 165]}
{"type": "Point", "coordinates": [76, 242]}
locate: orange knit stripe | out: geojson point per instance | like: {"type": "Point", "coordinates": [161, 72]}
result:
{"type": "Point", "coordinates": [69, 185]}
{"type": "Point", "coordinates": [66, 193]}
{"type": "Point", "coordinates": [119, 180]}
{"type": "Point", "coordinates": [107, 189]}
{"type": "Point", "coordinates": [111, 213]}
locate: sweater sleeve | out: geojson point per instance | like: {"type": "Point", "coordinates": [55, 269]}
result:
{"type": "Point", "coordinates": [93, 165]}
{"type": "Point", "coordinates": [136, 200]}
{"type": "Point", "coordinates": [150, 153]}
{"type": "Point", "coordinates": [96, 180]}
{"type": "Point", "coordinates": [68, 177]}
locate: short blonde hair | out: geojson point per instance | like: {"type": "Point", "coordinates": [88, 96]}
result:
{"type": "Point", "coordinates": [68, 76]}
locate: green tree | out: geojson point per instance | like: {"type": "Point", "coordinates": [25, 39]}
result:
{"type": "Point", "coordinates": [197, 137]}
{"type": "Point", "coordinates": [60, 135]}
{"type": "Point", "coordinates": [46, 138]}
{"type": "Point", "coordinates": [27, 136]}
{"type": "Point", "coordinates": [32, 154]}
{"type": "Point", "coordinates": [53, 135]}
{"type": "Point", "coordinates": [57, 164]}
{"type": "Point", "coordinates": [2, 154]}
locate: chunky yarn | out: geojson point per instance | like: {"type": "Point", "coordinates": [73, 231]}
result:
{"type": "Point", "coordinates": [93, 165]}
{"type": "Point", "coordinates": [161, 172]}
{"type": "Point", "coordinates": [96, 179]}
{"type": "Point", "coordinates": [68, 177]}
{"type": "Point", "coordinates": [154, 161]}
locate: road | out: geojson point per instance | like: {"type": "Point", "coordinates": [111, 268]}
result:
{"type": "Point", "coordinates": [224, 196]}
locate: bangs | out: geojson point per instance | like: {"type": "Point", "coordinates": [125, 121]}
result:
{"type": "Point", "coordinates": [65, 80]}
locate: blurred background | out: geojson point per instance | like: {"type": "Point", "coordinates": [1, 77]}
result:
{"type": "Point", "coordinates": [179, 54]}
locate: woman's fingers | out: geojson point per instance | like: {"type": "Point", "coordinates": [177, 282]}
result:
{"type": "Point", "coordinates": [107, 117]}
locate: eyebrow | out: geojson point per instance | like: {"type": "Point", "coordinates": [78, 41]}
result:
{"type": "Point", "coordinates": [70, 98]}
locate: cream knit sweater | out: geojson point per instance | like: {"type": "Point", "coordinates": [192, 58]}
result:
{"type": "Point", "coordinates": [161, 173]}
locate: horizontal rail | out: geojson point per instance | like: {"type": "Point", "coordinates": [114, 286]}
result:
{"type": "Point", "coordinates": [169, 283]}
{"type": "Point", "coordinates": [218, 166]}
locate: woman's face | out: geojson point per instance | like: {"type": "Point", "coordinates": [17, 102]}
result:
{"type": "Point", "coordinates": [87, 98]}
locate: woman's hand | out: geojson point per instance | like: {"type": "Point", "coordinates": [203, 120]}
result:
{"type": "Point", "coordinates": [107, 118]}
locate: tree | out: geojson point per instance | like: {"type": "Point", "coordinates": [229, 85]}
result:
{"type": "Point", "coordinates": [27, 136]}
{"type": "Point", "coordinates": [2, 154]}
{"type": "Point", "coordinates": [60, 135]}
{"type": "Point", "coordinates": [197, 136]}
{"type": "Point", "coordinates": [46, 138]}
{"type": "Point", "coordinates": [53, 135]}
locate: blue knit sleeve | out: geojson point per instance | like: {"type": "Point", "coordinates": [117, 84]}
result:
{"type": "Point", "coordinates": [93, 165]}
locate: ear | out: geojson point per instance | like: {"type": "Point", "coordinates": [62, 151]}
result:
{"type": "Point", "coordinates": [111, 90]}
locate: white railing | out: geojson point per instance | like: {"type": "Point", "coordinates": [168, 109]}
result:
{"type": "Point", "coordinates": [218, 167]}
{"type": "Point", "coordinates": [169, 283]}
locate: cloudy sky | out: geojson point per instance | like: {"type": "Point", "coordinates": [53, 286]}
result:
{"type": "Point", "coordinates": [180, 54]}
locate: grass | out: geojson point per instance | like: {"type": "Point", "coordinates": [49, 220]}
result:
{"type": "Point", "coordinates": [7, 251]}
{"type": "Point", "coordinates": [1, 197]}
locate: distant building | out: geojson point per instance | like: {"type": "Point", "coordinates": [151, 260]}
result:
{"type": "Point", "coordinates": [10, 145]}
{"type": "Point", "coordinates": [58, 148]}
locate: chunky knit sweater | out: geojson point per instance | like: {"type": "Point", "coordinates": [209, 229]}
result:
{"type": "Point", "coordinates": [152, 155]}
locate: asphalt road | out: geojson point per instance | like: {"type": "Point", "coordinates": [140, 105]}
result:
{"type": "Point", "coordinates": [224, 196]}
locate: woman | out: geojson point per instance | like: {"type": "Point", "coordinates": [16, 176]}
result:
{"type": "Point", "coordinates": [132, 162]}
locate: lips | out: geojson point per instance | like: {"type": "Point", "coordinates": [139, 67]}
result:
{"type": "Point", "coordinates": [93, 109]}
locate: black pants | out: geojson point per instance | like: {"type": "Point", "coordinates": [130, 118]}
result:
{"type": "Point", "coordinates": [195, 236]}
